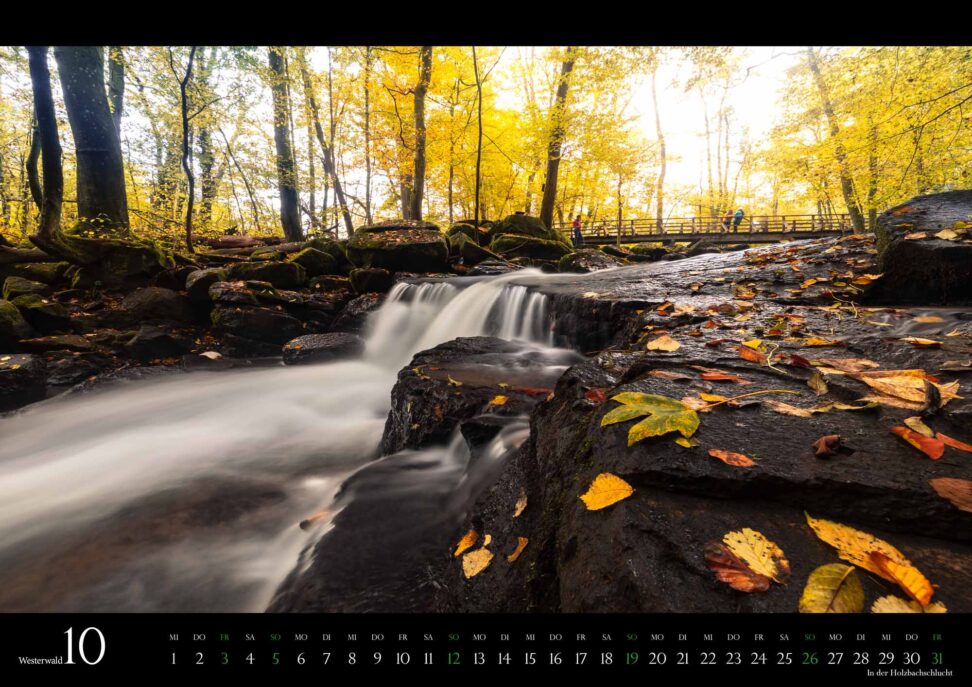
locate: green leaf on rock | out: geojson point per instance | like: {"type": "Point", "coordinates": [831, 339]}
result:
{"type": "Point", "coordinates": [664, 415]}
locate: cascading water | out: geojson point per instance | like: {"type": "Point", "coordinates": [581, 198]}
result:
{"type": "Point", "coordinates": [184, 493]}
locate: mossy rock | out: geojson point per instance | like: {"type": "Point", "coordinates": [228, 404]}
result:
{"type": "Point", "coordinates": [113, 261]}
{"type": "Point", "coordinates": [154, 303]}
{"type": "Point", "coordinates": [266, 253]}
{"type": "Point", "coordinates": [44, 272]}
{"type": "Point", "coordinates": [467, 230]}
{"type": "Point", "coordinates": [588, 260]}
{"type": "Point", "coordinates": [329, 282]}
{"type": "Point", "coordinates": [18, 286]}
{"type": "Point", "coordinates": [283, 275]}
{"type": "Point", "coordinates": [469, 250]}
{"type": "Point", "coordinates": [399, 225]}
{"type": "Point", "coordinates": [336, 249]}
{"type": "Point", "coordinates": [13, 326]}
{"type": "Point", "coordinates": [371, 280]}
{"type": "Point", "coordinates": [527, 247]}
{"type": "Point", "coordinates": [525, 225]}
{"type": "Point", "coordinates": [315, 262]}
{"type": "Point", "coordinates": [262, 324]}
{"type": "Point", "coordinates": [43, 314]}
{"type": "Point", "coordinates": [198, 283]}
{"type": "Point", "coordinates": [403, 250]}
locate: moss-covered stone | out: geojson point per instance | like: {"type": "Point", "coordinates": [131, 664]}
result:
{"type": "Point", "coordinates": [467, 230]}
{"type": "Point", "coordinates": [399, 225]}
{"type": "Point", "coordinates": [261, 324]}
{"type": "Point", "coordinates": [336, 249]}
{"type": "Point", "coordinates": [198, 283]}
{"type": "Point", "coordinates": [43, 314]}
{"type": "Point", "coordinates": [469, 251]}
{"type": "Point", "coordinates": [266, 253]}
{"type": "Point", "coordinates": [113, 261]}
{"type": "Point", "coordinates": [371, 280]}
{"type": "Point", "coordinates": [411, 250]}
{"type": "Point", "coordinates": [44, 272]}
{"type": "Point", "coordinates": [13, 326]}
{"type": "Point", "coordinates": [283, 275]}
{"type": "Point", "coordinates": [18, 286]}
{"type": "Point", "coordinates": [315, 262]}
{"type": "Point", "coordinates": [525, 225]}
{"type": "Point", "coordinates": [329, 283]}
{"type": "Point", "coordinates": [588, 260]}
{"type": "Point", "coordinates": [528, 247]}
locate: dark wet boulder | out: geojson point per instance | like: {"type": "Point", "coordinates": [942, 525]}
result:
{"type": "Point", "coordinates": [354, 315]}
{"type": "Point", "coordinates": [336, 249]}
{"type": "Point", "coordinates": [232, 293]}
{"type": "Point", "coordinates": [329, 283]}
{"type": "Point", "coordinates": [60, 342]}
{"type": "Point", "coordinates": [371, 280]}
{"type": "Point", "coordinates": [318, 348]}
{"type": "Point", "coordinates": [510, 246]}
{"type": "Point", "coordinates": [43, 314]}
{"type": "Point", "coordinates": [13, 326]}
{"type": "Point", "coordinates": [419, 250]}
{"type": "Point", "coordinates": [44, 272]}
{"type": "Point", "coordinates": [489, 268]}
{"type": "Point", "coordinates": [199, 281]}
{"type": "Point", "coordinates": [155, 304]}
{"type": "Point", "coordinates": [654, 252]}
{"type": "Point", "coordinates": [22, 380]}
{"type": "Point", "coordinates": [625, 255]}
{"type": "Point", "coordinates": [18, 286]}
{"type": "Point", "coordinates": [234, 346]}
{"type": "Point", "coordinates": [469, 251]}
{"type": "Point", "coordinates": [261, 324]}
{"type": "Point", "coordinates": [699, 247]}
{"type": "Point", "coordinates": [315, 262]}
{"type": "Point", "coordinates": [152, 342]}
{"type": "Point", "coordinates": [66, 369]}
{"type": "Point", "coordinates": [283, 275]}
{"type": "Point", "coordinates": [925, 251]}
{"type": "Point", "coordinates": [175, 278]}
{"type": "Point", "coordinates": [588, 260]}
{"type": "Point", "coordinates": [524, 225]}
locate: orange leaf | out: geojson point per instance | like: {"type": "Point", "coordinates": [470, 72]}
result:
{"type": "Point", "coordinates": [596, 395]}
{"type": "Point", "coordinates": [730, 569]}
{"type": "Point", "coordinates": [749, 354]}
{"type": "Point", "coordinates": [915, 341]}
{"type": "Point", "coordinates": [958, 491]}
{"type": "Point", "coordinates": [908, 577]}
{"type": "Point", "coordinates": [931, 447]}
{"type": "Point", "coordinates": [954, 443]}
{"type": "Point", "coordinates": [729, 458]}
{"type": "Point", "coordinates": [466, 543]}
{"type": "Point", "coordinates": [827, 446]}
{"type": "Point", "coordinates": [723, 377]}
{"type": "Point", "coordinates": [521, 543]}
{"type": "Point", "coordinates": [817, 341]}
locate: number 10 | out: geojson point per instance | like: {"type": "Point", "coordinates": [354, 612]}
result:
{"type": "Point", "coordinates": [70, 651]}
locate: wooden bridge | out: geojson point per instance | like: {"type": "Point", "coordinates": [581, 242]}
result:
{"type": "Point", "coordinates": [756, 229]}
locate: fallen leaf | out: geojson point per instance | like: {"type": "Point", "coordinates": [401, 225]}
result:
{"type": "Point", "coordinates": [596, 395]}
{"type": "Point", "coordinates": [827, 446]}
{"type": "Point", "coordinates": [709, 324]}
{"type": "Point", "coordinates": [729, 568]}
{"type": "Point", "coordinates": [730, 458]}
{"type": "Point", "coordinates": [521, 504]}
{"type": "Point", "coordinates": [665, 374]}
{"type": "Point", "coordinates": [954, 443]}
{"type": "Point", "coordinates": [957, 491]}
{"type": "Point", "coordinates": [695, 286]}
{"type": "Point", "coordinates": [855, 546]}
{"type": "Point", "coordinates": [817, 383]}
{"type": "Point", "coordinates": [911, 581]}
{"type": "Point", "coordinates": [751, 355]}
{"type": "Point", "coordinates": [715, 376]}
{"type": "Point", "coordinates": [755, 344]}
{"type": "Point", "coordinates": [476, 561]}
{"type": "Point", "coordinates": [866, 279]}
{"type": "Point", "coordinates": [847, 364]}
{"type": "Point", "coordinates": [499, 400]}
{"type": "Point", "coordinates": [917, 424]}
{"type": "Point", "coordinates": [453, 382]}
{"type": "Point", "coordinates": [467, 542]}
{"type": "Point", "coordinates": [713, 398]}
{"type": "Point", "coordinates": [895, 604]}
{"type": "Point", "coordinates": [806, 283]}
{"type": "Point", "coordinates": [927, 319]}
{"type": "Point", "coordinates": [663, 343]}
{"type": "Point", "coordinates": [817, 341]}
{"type": "Point", "coordinates": [915, 235]}
{"type": "Point", "coordinates": [915, 341]}
{"type": "Point", "coordinates": [521, 543]}
{"type": "Point", "coordinates": [759, 553]}
{"type": "Point", "coordinates": [931, 447]}
{"type": "Point", "coordinates": [664, 415]}
{"type": "Point", "coordinates": [947, 235]}
{"type": "Point", "coordinates": [833, 588]}
{"type": "Point", "coordinates": [606, 490]}
{"type": "Point", "coordinates": [787, 409]}
{"type": "Point", "coordinates": [687, 443]}
{"type": "Point", "coordinates": [908, 385]}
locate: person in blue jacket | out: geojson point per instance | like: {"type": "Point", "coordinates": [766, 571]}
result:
{"type": "Point", "coordinates": [575, 232]}
{"type": "Point", "coordinates": [737, 219]}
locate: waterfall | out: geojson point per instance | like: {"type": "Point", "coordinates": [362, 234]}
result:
{"type": "Point", "coordinates": [117, 500]}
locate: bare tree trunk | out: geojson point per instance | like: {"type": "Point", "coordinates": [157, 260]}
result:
{"type": "Point", "coordinates": [479, 140]}
{"type": "Point", "coordinates": [418, 181]}
{"type": "Point", "coordinates": [872, 169]}
{"type": "Point", "coordinates": [100, 170]}
{"type": "Point", "coordinates": [528, 199]}
{"type": "Point", "coordinates": [713, 211]}
{"type": "Point", "coordinates": [246, 181]}
{"type": "Point", "coordinates": [186, 147]}
{"type": "Point", "coordinates": [367, 133]}
{"type": "Point", "coordinates": [116, 85]}
{"type": "Point", "coordinates": [33, 175]}
{"type": "Point", "coordinates": [207, 156]}
{"type": "Point", "coordinates": [328, 153]}
{"type": "Point", "coordinates": [846, 183]}
{"type": "Point", "coordinates": [311, 174]}
{"type": "Point", "coordinates": [286, 177]}
{"type": "Point", "coordinates": [53, 191]}
{"type": "Point", "coordinates": [660, 183]}
{"type": "Point", "coordinates": [556, 138]}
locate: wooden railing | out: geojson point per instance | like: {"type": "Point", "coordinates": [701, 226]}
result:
{"type": "Point", "coordinates": [702, 226]}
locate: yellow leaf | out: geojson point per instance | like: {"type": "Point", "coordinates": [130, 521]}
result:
{"type": "Point", "coordinates": [955, 332]}
{"type": "Point", "coordinates": [786, 408]}
{"type": "Point", "coordinates": [807, 283]}
{"type": "Point", "coordinates": [906, 384]}
{"type": "Point", "coordinates": [521, 543]}
{"type": "Point", "coordinates": [895, 604]}
{"type": "Point", "coordinates": [476, 561]}
{"type": "Point", "coordinates": [453, 382]}
{"type": "Point", "coordinates": [928, 319]}
{"type": "Point", "coordinates": [755, 344]}
{"type": "Point", "coordinates": [15, 366]}
{"type": "Point", "coordinates": [712, 398]}
{"type": "Point", "coordinates": [915, 235]}
{"type": "Point", "coordinates": [687, 443]}
{"type": "Point", "coordinates": [855, 546]}
{"type": "Point", "coordinates": [916, 341]}
{"type": "Point", "coordinates": [606, 490]}
{"type": "Point", "coordinates": [947, 235]}
{"type": "Point", "coordinates": [759, 553]}
{"type": "Point", "coordinates": [521, 504]}
{"type": "Point", "coordinates": [467, 542]}
{"type": "Point", "coordinates": [664, 343]}
{"type": "Point", "coordinates": [817, 383]}
{"type": "Point", "coordinates": [817, 341]}
{"type": "Point", "coordinates": [499, 400]}
{"type": "Point", "coordinates": [833, 588]}
{"type": "Point", "coordinates": [907, 577]}
{"type": "Point", "coordinates": [664, 415]}
{"type": "Point", "coordinates": [915, 423]}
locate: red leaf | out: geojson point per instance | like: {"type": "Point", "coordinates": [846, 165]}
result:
{"type": "Point", "coordinates": [723, 377]}
{"type": "Point", "coordinates": [532, 390]}
{"type": "Point", "coordinates": [827, 446]}
{"type": "Point", "coordinates": [931, 447]}
{"type": "Point", "coordinates": [712, 343]}
{"type": "Point", "coordinates": [797, 361]}
{"type": "Point", "coordinates": [730, 569]}
{"type": "Point", "coordinates": [753, 356]}
{"type": "Point", "coordinates": [596, 395]}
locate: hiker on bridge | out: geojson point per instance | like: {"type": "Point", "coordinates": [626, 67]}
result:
{"type": "Point", "coordinates": [575, 232]}
{"type": "Point", "coordinates": [726, 220]}
{"type": "Point", "coordinates": [737, 219]}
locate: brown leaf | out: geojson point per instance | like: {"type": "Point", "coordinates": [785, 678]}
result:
{"type": "Point", "coordinates": [730, 569]}
{"type": "Point", "coordinates": [729, 458]}
{"type": "Point", "coordinates": [664, 343]}
{"type": "Point", "coordinates": [817, 383]}
{"type": "Point", "coordinates": [521, 543]}
{"type": "Point", "coordinates": [827, 446]}
{"type": "Point", "coordinates": [597, 395]}
{"type": "Point", "coordinates": [957, 491]}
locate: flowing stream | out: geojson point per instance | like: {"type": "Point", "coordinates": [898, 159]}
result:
{"type": "Point", "coordinates": [184, 493]}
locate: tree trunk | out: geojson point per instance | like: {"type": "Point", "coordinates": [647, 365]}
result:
{"type": "Point", "coordinates": [418, 180]}
{"type": "Point", "coordinates": [33, 175]}
{"type": "Point", "coordinates": [660, 183]}
{"type": "Point", "coordinates": [100, 170]}
{"type": "Point", "coordinates": [286, 177]}
{"type": "Point", "coordinates": [328, 153]}
{"type": "Point", "coordinates": [872, 169]}
{"type": "Point", "coordinates": [53, 191]}
{"type": "Point", "coordinates": [207, 155]}
{"type": "Point", "coordinates": [846, 183]}
{"type": "Point", "coordinates": [479, 140]}
{"type": "Point", "coordinates": [713, 211]}
{"type": "Point", "coordinates": [367, 133]}
{"type": "Point", "coordinates": [116, 85]}
{"type": "Point", "coordinates": [246, 181]}
{"type": "Point", "coordinates": [186, 147]}
{"type": "Point", "coordinates": [556, 138]}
